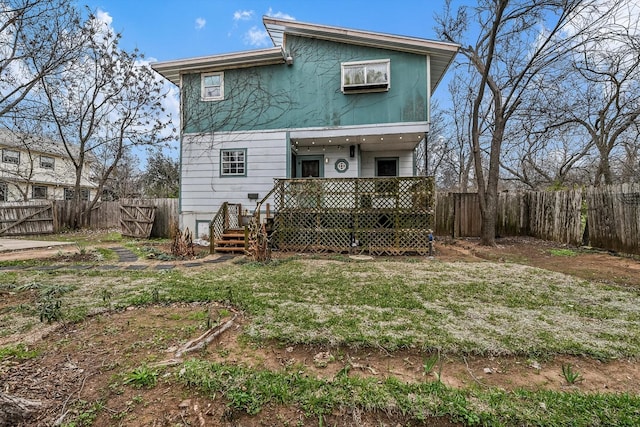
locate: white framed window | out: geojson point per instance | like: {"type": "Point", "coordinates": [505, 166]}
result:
{"type": "Point", "coordinates": [38, 192]}
{"type": "Point", "coordinates": [47, 162]}
{"type": "Point", "coordinates": [10, 156]}
{"type": "Point", "coordinates": [233, 162]}
{"type": "Point", "coordinates": [365, 76]}
{"type": "Point", "coordinates": [212, 87]}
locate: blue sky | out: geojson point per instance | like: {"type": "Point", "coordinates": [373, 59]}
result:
{"type": "Point", "coordinates": [174, 29]}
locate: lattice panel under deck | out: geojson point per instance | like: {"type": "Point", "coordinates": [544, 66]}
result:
{"type": "Point", "coordinates": [384, 216]}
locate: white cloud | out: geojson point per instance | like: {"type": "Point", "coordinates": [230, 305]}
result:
{"type": "Point", "coordinates": [257, 37]}
{"type": "Point", "coordinates": [243, 15]}
{"type": "Point", "coordinates": [200, 23]}
{"type": "Point", "coordinates": [104, 17]}
{"type": "Point", "coordinates": [280, 15]}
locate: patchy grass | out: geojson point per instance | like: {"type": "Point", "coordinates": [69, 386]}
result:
{"type": "Point", "coordinates": [444, 308]}
{"type": "Point", "coordinates": [17, 352]}
{"type": "Point", "coordinates": [477, 308]}
{"type": "Point", "coordinates": [563, 252]}
{"type": "Point", "coordinates": [250, 390]}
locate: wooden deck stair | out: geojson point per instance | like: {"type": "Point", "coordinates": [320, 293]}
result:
{"type": "Point", "coordinates": [232, 240]}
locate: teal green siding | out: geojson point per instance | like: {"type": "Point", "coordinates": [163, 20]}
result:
{"type": "Point", "coordinates": [307, 93]}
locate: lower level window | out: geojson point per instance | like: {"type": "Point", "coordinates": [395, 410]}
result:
{"type": "Point", "coordinates": [38, 192]}
{"type": "Point", "coordinates": [68, 194]}
{"type": "Point", "coordinates": [233, 162]}
{"type": "Point", "coordinates": [4, 192]}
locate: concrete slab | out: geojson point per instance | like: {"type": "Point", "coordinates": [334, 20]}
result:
{"type": "Point", "coordinates": [9, 245]}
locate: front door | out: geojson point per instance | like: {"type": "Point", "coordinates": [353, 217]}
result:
{"type": "Point", "coordinates": [310, 167]}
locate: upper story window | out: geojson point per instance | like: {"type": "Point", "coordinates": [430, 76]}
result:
{"type": "Point", "coordinates": [10, 156]}
{"type": "Point", "coordinates": [233, 162]}
{"type": "Point", "coordinates": [365, 76]}
{"type": "Point", "coordinates": [47, 162]}
{"type": "Point", "coordinates": [212, 87]}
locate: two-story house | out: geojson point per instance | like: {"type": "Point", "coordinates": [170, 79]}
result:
{"type": "Point", "coordinates": [324, 102]}
{"type": "Point", "coordinates": [35, 168]}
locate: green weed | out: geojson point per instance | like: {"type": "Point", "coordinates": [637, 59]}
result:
{"type": "Point", "coordinates": [570, 376]}
{"type": "Point", "coordinates": [49, 309]}
{"type": "Point", "coordinates": [142, 376]}
{"type": "Point", "coordinates": [563, 252]}
{"type": "Point", "coordinates": [19, 352]}
{"type": "Point", "coordinates": [85, 414]}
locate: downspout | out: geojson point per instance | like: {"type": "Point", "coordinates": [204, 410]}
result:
{"type": "Point", "coordinates": [426, 135]}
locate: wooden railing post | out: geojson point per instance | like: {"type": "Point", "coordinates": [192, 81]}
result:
{"type": "Point", "coordinates": [226, 216]}
{"type": "Point", "coordinates": [212, 238]}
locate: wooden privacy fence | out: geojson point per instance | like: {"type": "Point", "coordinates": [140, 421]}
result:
{"type": "Point", "coordinates": [25, 218]}
{"type": "Point", "coordinates": [103, 215]}
{"type": "Point", "coordinates": [556, 215]}
{"type": "Point", "coordinates": [613, 215]}
{"type": "Point", "coordinates": [612, 212]}
{"type": "Point", "coordinates": [549, 215]}
{"type": "Point", "coordinates": [458, 215]}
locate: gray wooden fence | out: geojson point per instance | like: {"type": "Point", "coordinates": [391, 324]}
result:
{"type": "Point", "coordinates": [613, 214]}
{"type": "Point", "coordinates": [103, 215]}
{"type": "Point", "coordinates": [26, 218]}
{"type": "Point", "coordinates": [458, 215]}
{"type": "Point", "coordinates": [555, 215]}
{"type": "Point", "coordinates": [549, 215]}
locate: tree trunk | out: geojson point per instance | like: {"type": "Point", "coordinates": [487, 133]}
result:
{"type": "Point", "coordinates": [488, 230]}
{"type": "Point", "coordinates": [16, 410]}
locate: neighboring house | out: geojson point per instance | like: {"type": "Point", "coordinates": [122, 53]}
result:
{"type": "Point", "coordinates": [34, 168]}
{"type": "Point", "coordinates": [323, 102]}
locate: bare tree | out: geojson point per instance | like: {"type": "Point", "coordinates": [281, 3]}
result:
{"type": "Point", "coordinates": [37, 37]}
{"type": "Point", "coordinates": [101, 104]}
{"type": "Point", "coordinates": [124, 180]}
{"type": "Point", "coordinates": [161, 177]}
{"type": "Point", "coordinates": [602, 88]}
{"type": "Point", "coordinates": [516, 41]}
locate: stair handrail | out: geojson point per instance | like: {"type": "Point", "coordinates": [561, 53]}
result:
{"type": "Point", "coordinates": [256, 212]}
{"type": "Point", "coordinates": [257, 241]}
{"type": "Point", "coordinates": [217, 226]}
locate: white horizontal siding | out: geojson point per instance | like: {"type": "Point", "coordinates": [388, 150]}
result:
{"type": "Point", "coordinates": [203, 190]}
{"type": "Point", "coordinates": [333, 154]}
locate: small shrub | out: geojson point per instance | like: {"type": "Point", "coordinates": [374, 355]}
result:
{"type": "Point", "coordinates": [50, 309]}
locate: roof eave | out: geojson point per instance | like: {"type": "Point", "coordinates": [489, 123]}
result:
{"type": "Point", "coordinates": [277, 26]}
{"type": "Point", "coordinates": [172, 70]}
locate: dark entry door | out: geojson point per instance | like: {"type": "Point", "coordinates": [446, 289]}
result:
{"type": "Point", "coordinates": [310, 167]}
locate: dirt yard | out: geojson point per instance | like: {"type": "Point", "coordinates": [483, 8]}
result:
{"type": "Point", "coordinates": [82, 363]}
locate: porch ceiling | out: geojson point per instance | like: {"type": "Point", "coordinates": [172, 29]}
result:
{"type": "Point", "coordinates": [380, 142]}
